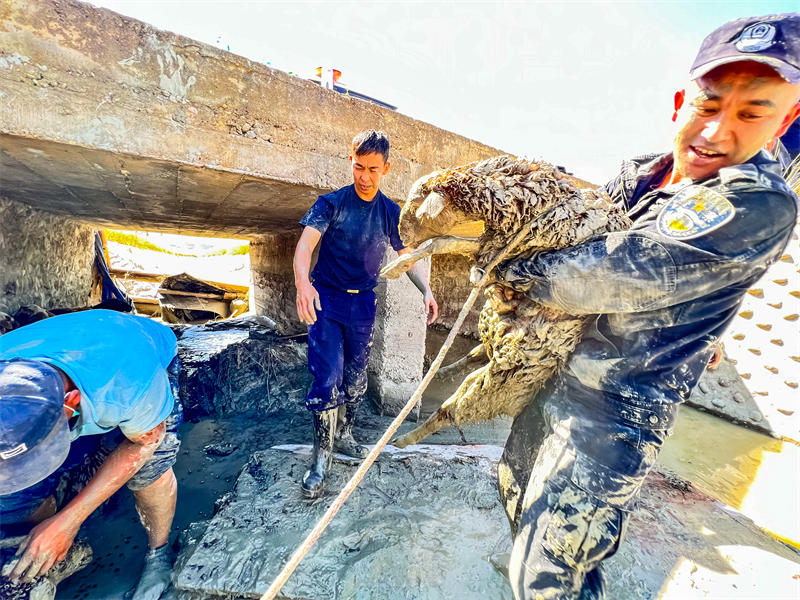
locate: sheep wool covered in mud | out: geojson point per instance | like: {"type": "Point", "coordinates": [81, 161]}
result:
{"type": "Point", "coordinates": [525, 342]}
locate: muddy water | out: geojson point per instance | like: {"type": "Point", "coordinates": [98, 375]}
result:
{"type": "Point", "coordinates": [752, 472]}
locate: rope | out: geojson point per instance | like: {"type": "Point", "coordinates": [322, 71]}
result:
{"type": "Point", "coordinates": [348, 489]}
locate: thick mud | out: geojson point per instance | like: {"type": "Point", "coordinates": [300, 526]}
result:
{"type": "Point", "coordinates": [678, 537]}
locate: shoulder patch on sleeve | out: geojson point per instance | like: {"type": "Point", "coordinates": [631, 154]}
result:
{"type": "Point", "coordinates": [694, 211]}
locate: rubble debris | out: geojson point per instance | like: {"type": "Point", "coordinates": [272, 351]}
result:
{"type": "Point", "coordinates": [240, 365]}
{"type": "Point", "coordinates": [186, 299]}
{"type": "Point", "coordinates": [220, 449]}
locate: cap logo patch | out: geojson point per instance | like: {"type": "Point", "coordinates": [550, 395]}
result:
{"type": "Point", "coordinates": [756, 38]}
{"type": "Point", "coordinates": [13, 452]}
{"type": "Point", "coordinates": [694, 211]}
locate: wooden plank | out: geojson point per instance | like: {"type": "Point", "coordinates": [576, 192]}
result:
{"type": "Point", "coordinates": [159, 277]}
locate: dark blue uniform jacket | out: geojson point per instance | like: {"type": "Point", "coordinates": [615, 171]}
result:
{"type": "Point", "coordinates": [665, 290]}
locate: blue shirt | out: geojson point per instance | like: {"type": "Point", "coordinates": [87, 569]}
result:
{"type": "Point", "coordinates": [354, 237]}
{"type": "Point", "coordinates": [117, 361]}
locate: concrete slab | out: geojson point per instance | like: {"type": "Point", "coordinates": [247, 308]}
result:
{"type": "Point", "coordinates": [111, 120]}
{"type": "Point", "coordinates": [401, 534]}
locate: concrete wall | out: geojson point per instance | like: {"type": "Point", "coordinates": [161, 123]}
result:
{"type": "Point", "coordinates": [450, 285]}
{"type": "Point", "coordinates": [108, 119]}
{"type": "Point", "coordinates": [272, 279]}
{"type": "Point", "coordinates": [44, 259]}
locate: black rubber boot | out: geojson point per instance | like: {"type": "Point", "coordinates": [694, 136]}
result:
{"type": "Point", "coordinates": [594, 586]}
{"type": "Point", "coordinates": [345, 442]}
{"type": "Point", "coordinates": [324, 430]}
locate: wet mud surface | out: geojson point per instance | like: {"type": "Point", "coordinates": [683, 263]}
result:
{"type": "Point", "coordinates": [677, 534]}
{"type": "Point", "coordinates": [401, 534]}
{"type": "Point", "coordinates": [680, 544]}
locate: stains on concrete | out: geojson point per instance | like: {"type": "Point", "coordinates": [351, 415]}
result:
{"type": "Point", "coordinates": [172, 79]}
{"type": "Point", "coordinates": [44, 259]}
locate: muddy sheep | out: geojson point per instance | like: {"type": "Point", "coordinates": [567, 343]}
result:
{"type": "Point", "coordinates": [525, 342]}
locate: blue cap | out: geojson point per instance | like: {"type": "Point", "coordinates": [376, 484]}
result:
{"type": "Point", "coordinates": [34, 432]}
{"type": "Point", "coordinates": [773, 40]}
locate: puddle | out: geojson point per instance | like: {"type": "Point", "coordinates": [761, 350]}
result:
{"type": "Point", "coordinates": [752, 472]}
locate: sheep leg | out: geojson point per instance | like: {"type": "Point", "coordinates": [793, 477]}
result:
{"type": "Point", "coordinates": [470, 360]}
{"type": "Point", "coordinates": [432, 424]}
{"type": "Point", "coordinates": [446, 414]}
{"type": "Point", "coordinates": [448, 244]}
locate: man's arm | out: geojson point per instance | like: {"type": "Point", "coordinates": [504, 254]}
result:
{"type": "Point", "coordinates": [307, 296]}
{"type": "Point", "coordinates": [419, 277]}
{"type": "Point", "coordinates": [50, 540]}
{"type": "Point", "coordinates": [642, 270]}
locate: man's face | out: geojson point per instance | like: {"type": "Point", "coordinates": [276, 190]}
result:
{"type": "Point", "coordinates": [732, 112]}
{"type": "Point", "coordinates": [368, 170]}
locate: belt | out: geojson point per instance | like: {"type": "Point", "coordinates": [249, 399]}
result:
{"type": "Point", "coordinates": [339, 289]}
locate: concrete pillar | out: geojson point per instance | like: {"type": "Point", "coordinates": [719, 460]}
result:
{"type": "Point", "coordinates": [44, 259]}
{"type": "Point", "coordinates": [272, 292]}
{"type": "Point", "coordinates": [398, 347]}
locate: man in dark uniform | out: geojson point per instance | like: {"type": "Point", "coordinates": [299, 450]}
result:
{"type": "Point", "coordinates": [352, 227]}
{"type": "Point", "coordinates": [708, 220]}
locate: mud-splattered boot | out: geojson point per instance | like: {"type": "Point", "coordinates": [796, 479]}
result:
{"type": "Point", "coordinates": [156, 575]}
{"type": "Point", "coordinates": [594, 586]}
{"type": "Point", "coordinates": [324, 432]}
{"type": "Point", "coordinates": [345, 442]}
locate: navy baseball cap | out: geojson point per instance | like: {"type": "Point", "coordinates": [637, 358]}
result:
{"type": "Point", "coordinates": [34, 432]}
{"type": "Point", "coordinates": [773, 40]}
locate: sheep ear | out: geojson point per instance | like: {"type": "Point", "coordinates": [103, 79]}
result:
{"type": "Point", "coordinates": [431, 206]}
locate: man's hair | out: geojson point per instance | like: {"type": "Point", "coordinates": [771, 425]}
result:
{"type": "Point", "coordinates": [371, 142]}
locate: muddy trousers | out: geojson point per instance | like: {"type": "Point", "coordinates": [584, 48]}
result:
{"type": "Point", "coordinates": [338, 348]}
{"type": "Point", "coordinates": [567, 478]}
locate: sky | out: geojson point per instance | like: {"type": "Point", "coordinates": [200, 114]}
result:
{"type": "Point", "coordinates": [579, 84]}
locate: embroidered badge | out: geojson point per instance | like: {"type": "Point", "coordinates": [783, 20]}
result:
{"type": "Point", "coordinates": [756, 37]}
{"type": "Point", "coordinates": [694, 211]}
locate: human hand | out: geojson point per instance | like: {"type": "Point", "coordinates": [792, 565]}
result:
{"type": "Point", "coordinates": [307, 302]}
{"type": "Point", "coordinates": [716, 358]}
{"type": "Point", "coordinates": [431, 308]}
{"type": "Point", "coordinates": [502, 298]}
{"type": "Point", "coordinates": [46, 544]}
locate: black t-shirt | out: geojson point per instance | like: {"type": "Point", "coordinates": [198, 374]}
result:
{"type": "Point", "coordinates": [354, 237]}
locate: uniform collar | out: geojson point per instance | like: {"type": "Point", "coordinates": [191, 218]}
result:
{"type": "Point", "coordinates": [761, 167]}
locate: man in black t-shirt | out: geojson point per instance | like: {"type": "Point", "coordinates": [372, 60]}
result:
{"type": "Point", "coordinates": [352, 227]}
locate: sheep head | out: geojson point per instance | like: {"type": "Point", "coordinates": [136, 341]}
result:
{"type": "Point", "coordinates": [429, 213]}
